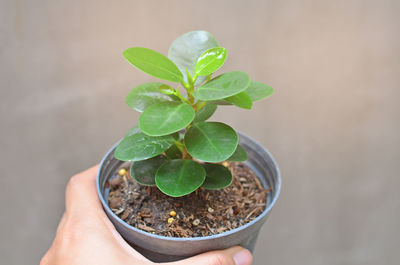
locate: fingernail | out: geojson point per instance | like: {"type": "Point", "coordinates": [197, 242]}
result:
{"type": "Point", "coordinates": [242, 257]}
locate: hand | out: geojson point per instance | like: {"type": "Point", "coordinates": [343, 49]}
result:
{"type": "Point", "coordinates": [86, 236]}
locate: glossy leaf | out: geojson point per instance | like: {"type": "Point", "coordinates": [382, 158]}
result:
{"type": "Point", "coordinates": [205, 112]}
{"type": "Point", "coordinates": [144, 172]}
{"type": "Point", "coordinates": [210, 61]}
{"type": "Point", "coordinates": [146, 95]}
{"type": "Point", "coordinates": [173, 152]}
{"type": "Point", "coordinates": [241, 100]}
{"type": "Point", "coordinates": [166, 89]}
{"type": "Point", "coordinates": [258, 91]}
{"type": "Point", "coordinates": [217, 177]}
{"type": "Point", "coordinates": [166, 118]}
{"type": "Point", "coordinates": [239, 155]}
{"type": "Point", "coordinates": [136, 146]}
{"type": "Point", "coordinates": [211, 141]}
{"type": "Point", "coordinates": [180, 177]}
{"type": "Point", "coordinates": [153, 63]}
{"type": "Point", "coordinates": [223, 86]}
{"type": "Point", "coordinates": [186, 49]}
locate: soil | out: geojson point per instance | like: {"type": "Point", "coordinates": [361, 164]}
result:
{"type": "Point", "coordinates": [201, 213]}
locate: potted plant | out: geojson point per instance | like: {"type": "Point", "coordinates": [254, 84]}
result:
{"type": "Point", "coordinates": [177, 184]}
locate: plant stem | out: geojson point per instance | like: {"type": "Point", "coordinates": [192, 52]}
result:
{"type": "Point", "coordinates": [200, 105]}
{"type": "Point", "coordinates": [189, 86]}
{"type": "Point", "coordinates": [195, 78]}
{"type": "Point", "coordinates": [181, 97]}
{"type": "Point", "coordinates": [186, 155]}
{"type": "Point", "coordinates": [180, 145]}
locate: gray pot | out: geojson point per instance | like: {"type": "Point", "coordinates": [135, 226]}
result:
{"type": "Point", "coordinates": [163, 249]}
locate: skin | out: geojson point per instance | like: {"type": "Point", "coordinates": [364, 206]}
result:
{"type": "Point", "coordinates": [86, 236]}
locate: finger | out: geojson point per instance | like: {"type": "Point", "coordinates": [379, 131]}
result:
{"type": "Point", "coordinates": [121, 242]}
{"type": "Point", "coordinates": [61, 224]}
{"type": "Point", "coordinates": [81, 195]}
{"type": "Point", "coordinates": [230, 256]}
{"type": "Point", "coordinates": [82, 203]}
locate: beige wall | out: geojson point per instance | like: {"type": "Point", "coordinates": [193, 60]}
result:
{"type": "Point", "coordinates": [333, 123]}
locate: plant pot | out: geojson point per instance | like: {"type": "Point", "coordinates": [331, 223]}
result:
{"type": "Point", "coordinates": [163, 249]}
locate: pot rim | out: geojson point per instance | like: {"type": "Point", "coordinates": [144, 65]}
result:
{"type": "Point", "coordinates": [223, 234]}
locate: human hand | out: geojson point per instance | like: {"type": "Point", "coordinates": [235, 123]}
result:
{"type": "Point", "coordinates": [86, 236]}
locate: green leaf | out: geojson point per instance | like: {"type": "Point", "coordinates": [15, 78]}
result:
{"type": "Point", "coordinates": [241, 100]}
{"type": "Point", "coordinates": [222, 86]}
{"type": "Point", "coordinates": [211, 141]}
{"type": "Point", "coordinates": [180, 177]}
{"type": "Point", "coordinates": [136, 146]}
{"type": "Point", "coordinates": [166, 118]}
{"type": "Point", "coordinates": [210, 61]}
{"type": "Point", "coordinates": [186, 49]}
{"type": "Point", "coordinates": [258, 91]}
{"type": "Point", "coordinates": [153, 63]}
{"type": "Point", "coordinates": [239, 155]}
{"type": "Point", "coordinates": [217, 177]}
{"type": "Point", "coordinates": [146, 95]}
{"type": "Point", "coordinates": [173, 152]}
{"type": "Point", "coordinates": [205, 112]}
{"type": "Point", "coordinates": [144, 172]}
{"type": "Point", "coordinates": [222, 102]}
{"type": "Point", "coordinates": [166, 89]}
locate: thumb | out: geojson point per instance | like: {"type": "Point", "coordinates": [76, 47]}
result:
{"type": "Point", "coordinates": [230, 256]}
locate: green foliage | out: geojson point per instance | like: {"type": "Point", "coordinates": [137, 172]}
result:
{"type": "Point", "coordinates": [153, 63]}
{"type": "Point", "coordinates": [242, 100]}
{"type": "Point", "coordinates": [222, 86]}
{"type": "Point", "coordinates": [136, 146]}
{"type": "Point", "coordinates": [186, 50]}
{"type": "Point", "coordinates": [180, 177]}
{"type": "Point", "coordinates": [259, 91]}
{"type": "Point", "coordinates": [146, 95]}
{"type": "Point", "coordinates": [173, 152]}
{"type": "Point", "coordinates": [166, 89]}
{"type": "Point", "coordinates": [210, 61]}
{"type": "Point", "coordinates": [166, 118]}
{"type": "Point", "coordinates": [205, 112]}
{"type": "Point", "coordinates": [144, 171]}
{"type": "Point", "coordinates": [217, 177]}
{"type": "Point", "coordinates": [173, 128]}
{"type": "Point", "coordinates": [211, 141]}
{"type": "Point", "coordinates": [240, 154]}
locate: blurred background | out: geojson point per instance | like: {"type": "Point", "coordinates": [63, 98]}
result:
{"type": "Point", "coordinates": [332, 124]}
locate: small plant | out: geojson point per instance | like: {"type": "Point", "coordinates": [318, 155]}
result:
{"type": "Point", "coordinates": [174, 146]}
